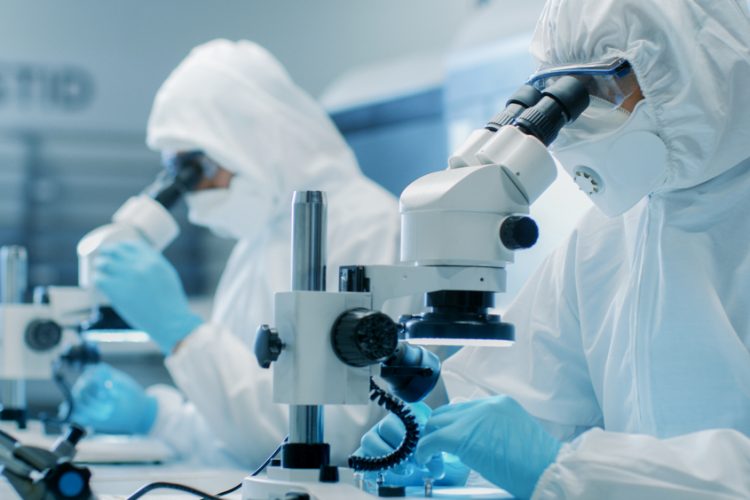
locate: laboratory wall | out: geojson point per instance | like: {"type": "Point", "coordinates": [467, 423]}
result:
{"type": "Point", "coordinates": [77, 80]}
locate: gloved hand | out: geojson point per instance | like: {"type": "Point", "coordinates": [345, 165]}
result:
{"type": "Point", "coordinates": [146, 291]}
{"type": "Point", "coordinates": [110, 401]}
{"type": "Point", "coordinates": [387, 435]}
{"type": "Point", "coordinates": [496, 437]}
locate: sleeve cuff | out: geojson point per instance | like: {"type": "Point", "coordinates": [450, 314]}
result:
{"type": "Point", "coordinates": [547, 486]}
{"type": "Point", "coordinates": [194, 341]}
{"type": "Point", "coordinates": [168, 400]}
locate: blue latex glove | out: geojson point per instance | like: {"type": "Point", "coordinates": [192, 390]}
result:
{"type": "Point", "coordinates": [496, 437]}
{"type": "Point", "coordinates": [146, 291]}
{"type": "Point", "coordinates": [110, 401]}
{"type": "Point", "coordinates": [387, 435]}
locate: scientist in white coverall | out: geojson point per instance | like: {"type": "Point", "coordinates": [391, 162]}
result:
{"type": "Point", "coordinates": [630, 375]}
{"type": "Point", "coordinates": [235, 103]}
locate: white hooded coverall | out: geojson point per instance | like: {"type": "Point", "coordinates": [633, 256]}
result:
{"type": "Point", "coordinates": [634, 336]}
{"type": "Point", "coordinates": [236, 103]}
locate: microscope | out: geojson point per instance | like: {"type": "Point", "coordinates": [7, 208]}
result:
{"type": "Point", "coordinates": [37, 337]}
{"type": "Point", "coordinates": [36, 473]}
{"type": "Point", "coordinates": [144, 217]}
{"type": "Point", "coordinates": [459, 230]}
{"type": "Point", "coordinates": [31, 336]}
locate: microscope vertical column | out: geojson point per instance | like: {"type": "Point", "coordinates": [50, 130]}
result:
{"type": "Point", "coordinates": [13, 284]}
{"type": "Point", "coordinates": [308, 274]}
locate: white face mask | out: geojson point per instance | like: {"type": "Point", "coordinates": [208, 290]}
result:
{"type": "Point", "coordinates": [614, 157]}
{"type": "Point", "coordinates": [238, 212]}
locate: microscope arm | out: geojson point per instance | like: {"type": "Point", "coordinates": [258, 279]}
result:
{"type": "Point", "coordinates": [39, 474]}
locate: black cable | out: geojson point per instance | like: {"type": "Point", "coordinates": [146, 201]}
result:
{"type": "Point", "coordinates": [268, 460]}
{"type": "Point", "coordinates": [159, 485]}
{"type": "Point", "coordinates": [53, 424]}
{"type": "Point", "coordinates": [407, 446]}
{"type": "Point", "coordinates": [170, 486]}
{"type": "Point", "coordinates": [76, 357]}
{"type": "Point", "coordinates": [58, 377]}
{"type": "Point", "coordinates": [256, 472]}
{"type": "Point", "coordinates": [227, 492]}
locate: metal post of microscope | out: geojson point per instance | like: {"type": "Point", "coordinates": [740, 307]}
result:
{"type": "Point", "coordinates": [13, 284]}
{"type": "Point", "coordinates": [308, 273]}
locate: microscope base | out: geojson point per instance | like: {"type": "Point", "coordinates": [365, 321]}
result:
{"type": "Point", "coordinates": [279, 483]}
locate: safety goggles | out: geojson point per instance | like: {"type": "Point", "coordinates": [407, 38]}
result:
{"type": "Point", "coordinates": [175, 162]}
{"type": "Point", "coordinates": [613, 81]}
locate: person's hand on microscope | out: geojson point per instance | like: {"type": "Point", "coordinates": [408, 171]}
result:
{"type": "Point", "coordinates": [112, 402]}
{"type": "Point", "coordinates": [495, 437]}
{"type": "Point", "coordinates": [386, 436]}
{"type": "Point", "coordinates": [146, 291]}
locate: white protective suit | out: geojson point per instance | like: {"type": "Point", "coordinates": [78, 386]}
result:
{"type": "Point", "coordinates": [633, 338]}
{"type": "Point", "coordinates": [235, 102]}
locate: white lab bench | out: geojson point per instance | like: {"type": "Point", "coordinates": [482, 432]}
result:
{"type": "Point", "coordinates": [112, 482]}
{"type": "Point", "coordinates": [118, 481]}
{"type": "Point", "coordinates": [140, 454]}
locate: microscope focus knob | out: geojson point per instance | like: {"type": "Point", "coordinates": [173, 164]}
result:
{"type": "Point", "coordinates": [518, 232]}
{"type": "Point", "coordinates": [361, 337]}
{"type": "Point", "coordinates": [42, 335]}
{"type": "Point", "coordinates": [66, 480]}
{"type": "Point", "coordinates": [268, 346]}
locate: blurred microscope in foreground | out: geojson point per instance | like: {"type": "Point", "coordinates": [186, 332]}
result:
{"type": "Point", "coordinates": [459, 229]}
{"type": "Point", "coordinates": [38, 339]}
{"type": "Point", "coordinates": [37, 473]}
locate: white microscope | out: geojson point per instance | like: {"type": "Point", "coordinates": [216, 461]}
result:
{"type": "Point", "coordinates": [459, 229]}
{"type": "Point", "coordinates": [30, 340]}
{"type": "Point", "coordinates": [33, 336]}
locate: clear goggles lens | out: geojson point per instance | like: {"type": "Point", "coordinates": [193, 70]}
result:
{"type": "Point", "coordinates": [613, 82]}
{"type": "Point", "coordinates": [174, 162]}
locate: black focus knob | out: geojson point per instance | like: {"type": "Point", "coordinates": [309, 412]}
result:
{"type": "Point", "coordinates": [361, 337]}
{"type": "Point", "coordinates": [69, 481]}
{"type": "Point", "coordinates": [518, 232]}
{"type": "Point", "coordinates": [268, 346]}
{"type": "Point", "coordinates": [42, 334]}
{"type": "Point", "coordinates": [75, 434]}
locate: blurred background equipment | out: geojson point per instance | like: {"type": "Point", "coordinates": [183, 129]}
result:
{"type": "Point", "coordinates": [77, 81]}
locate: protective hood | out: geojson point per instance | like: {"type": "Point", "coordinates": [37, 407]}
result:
{"type": "Point", "coordinates": [692, 60]}
{"type": "Point", "coordinates": [235, 102]}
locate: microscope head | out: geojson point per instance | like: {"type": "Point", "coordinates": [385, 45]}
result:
{"type": "Point", "coordinates": [475, 213]}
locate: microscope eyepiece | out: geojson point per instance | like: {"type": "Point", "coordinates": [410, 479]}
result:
{"type": "Point", "coordinates": [524, 98]}
{"type": "Point", "coordinates": [186, 177]}
{"type": "Point", "coordinates": [560, 104]}
{"type": "Point", "coordinates": [571, 94]}
{"type": "Point", "coordinates": [183, 172]}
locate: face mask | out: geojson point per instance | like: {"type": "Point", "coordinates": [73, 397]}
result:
{"type": "Point", "coordinates": [237, 212]}
{"type": "Point", "coordinates": [614, 157]}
